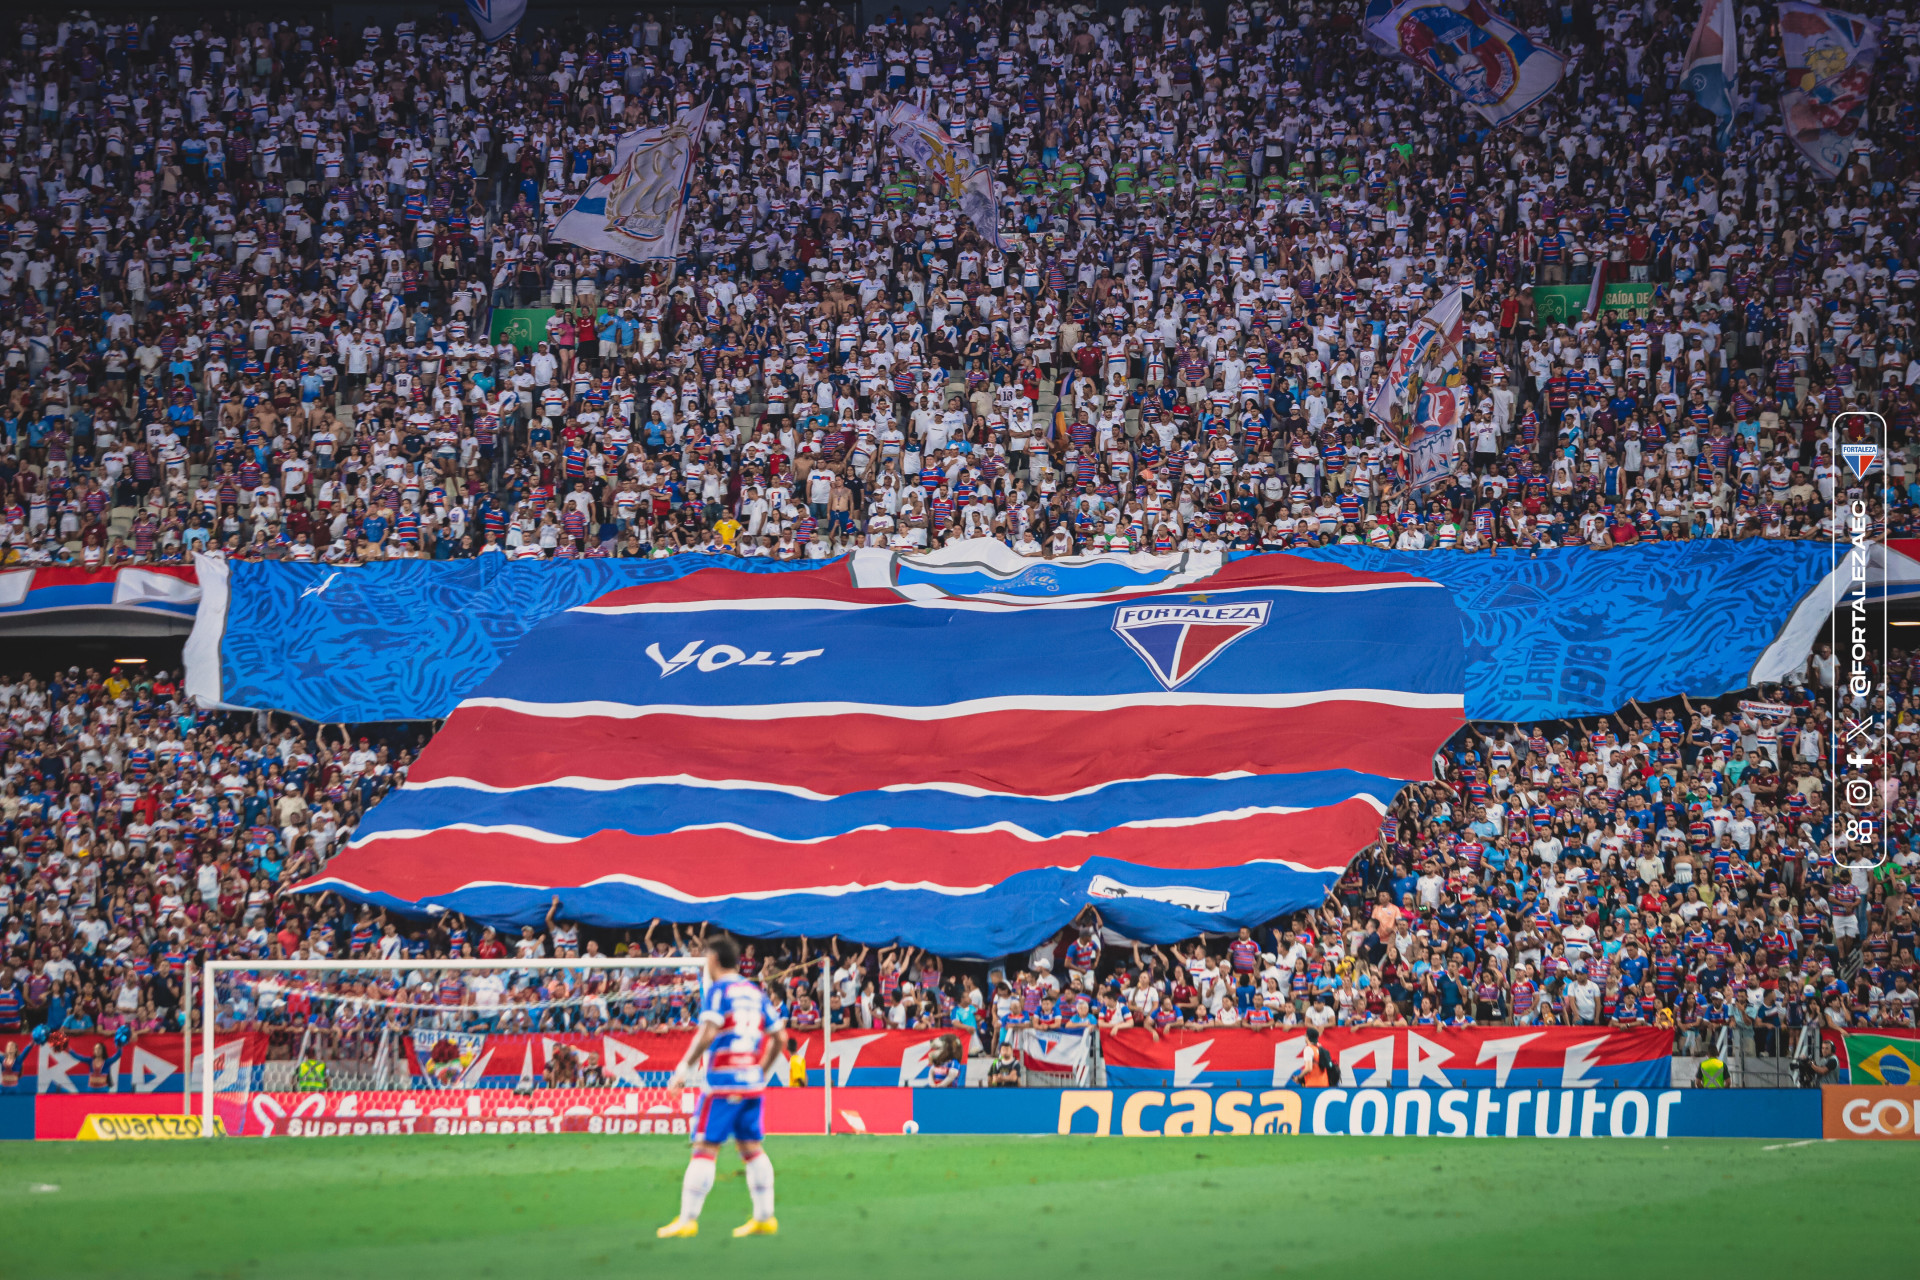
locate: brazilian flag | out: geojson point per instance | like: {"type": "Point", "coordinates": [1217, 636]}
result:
{"type": "Point", "coordinates": [1883, 1060]}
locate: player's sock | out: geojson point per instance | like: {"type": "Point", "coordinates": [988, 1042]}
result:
{"type": "Point", "coordinates": [699, 1181]}
{"type": "Point", "coordinates": [760, 1186]}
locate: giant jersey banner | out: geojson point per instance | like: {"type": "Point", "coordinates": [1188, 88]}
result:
{"type": "Point", "coordinates": [1397, 1057]}
{"type": "Point", "coordinates": [823, 752]}
{"type": "Point", "coordinates": [1566, 632]}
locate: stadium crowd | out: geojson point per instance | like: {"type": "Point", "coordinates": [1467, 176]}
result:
{"type": "Point", "coordinates": [248, 297]}
{"type": "Point", "coordinates": [251, 278]}
{"type": "Point", "coordinates": [1665, 869]}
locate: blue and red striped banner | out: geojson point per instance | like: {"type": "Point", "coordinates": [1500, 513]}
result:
{"type": "Point", "coordinates": [817, 752]}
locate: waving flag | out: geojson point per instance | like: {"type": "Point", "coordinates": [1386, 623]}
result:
{"type": "Point", "coordinates": [636, 211]}
{"type": "Point", "coordinates": [1713, 61]}
{"type": "Point", "coordinates": [1471, 49]}
{"type": "Point", "coordinates": [922, 140]}
{"type": "Point", "coordinates": [496, 18]}
{"type": "Point", "coordinates": [838, 751]}
{"type": "Point", "coordinates": [1829, 59]}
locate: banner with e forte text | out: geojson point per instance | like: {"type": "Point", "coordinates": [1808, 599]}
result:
{"type": "Point", "coordinates": [1440, 1057]}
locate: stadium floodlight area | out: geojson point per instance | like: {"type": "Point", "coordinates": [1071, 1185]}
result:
{"type": "Point", "coordinates": [427, 1027]}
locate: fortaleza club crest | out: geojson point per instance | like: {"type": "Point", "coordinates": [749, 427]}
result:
{"type": "Point", "coordinates": [1860, 457]}
{"type": "Point", "coordinates": [1177, 639]}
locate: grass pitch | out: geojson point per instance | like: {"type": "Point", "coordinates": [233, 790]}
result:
{"type": "Point", "coordinates": [579, 1205]}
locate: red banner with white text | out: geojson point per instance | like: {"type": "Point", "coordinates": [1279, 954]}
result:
{"type": "Point", "coordinates": [1377, 1058]}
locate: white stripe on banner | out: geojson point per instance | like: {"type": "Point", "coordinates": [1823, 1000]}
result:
{"type": "Point", "coordinates": [925, 595]}
{"type": "Point", "coordinates": [1015, 830]}
{"type": "Point", "coordinates": [577, 783]}
{"type": "Point", "coordinates": [975, 706]}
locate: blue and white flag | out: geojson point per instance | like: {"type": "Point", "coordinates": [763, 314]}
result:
{"type": "Point", "coordinates": [922, 140]}
{"type": "Point", "coordinates": [1713, 63]}
{"type": "Point", "coordinates": [496, 19]}
{"type": "Point", "coordinates": [1471, 49]}
{"type": "Point", "coordinates": [636, 211]}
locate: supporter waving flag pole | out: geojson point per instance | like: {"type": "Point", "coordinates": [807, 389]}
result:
{"type": "Point", "coordinates": [826, 1036]}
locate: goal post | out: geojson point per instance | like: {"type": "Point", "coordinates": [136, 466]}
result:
{"type": "Point", "coordinates": [400, 1024]}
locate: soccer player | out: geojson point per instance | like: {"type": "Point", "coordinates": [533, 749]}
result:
{"type": "Point", "coordinates": [741, 1035]}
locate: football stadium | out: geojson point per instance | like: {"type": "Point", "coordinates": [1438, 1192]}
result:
{"type": "Point", "coordinates": [831, 639]}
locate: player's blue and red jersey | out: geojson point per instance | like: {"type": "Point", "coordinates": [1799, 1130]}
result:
{"type": "Point", "coordinates": [745, 1017]}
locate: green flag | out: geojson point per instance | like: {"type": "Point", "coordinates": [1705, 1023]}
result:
{"type": "Point", "coordinates": [1874, 1059]}
{"type": "Point", "coordinates": [525, 327]}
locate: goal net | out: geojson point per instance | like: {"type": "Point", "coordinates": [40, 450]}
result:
{"type": "Point", "coordinates": [317, 1048]}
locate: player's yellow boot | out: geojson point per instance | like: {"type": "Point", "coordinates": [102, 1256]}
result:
{"type": "Point", "coordinates": [757, 1227]}
{"type": "Point", "coordinates": [679, 1229]}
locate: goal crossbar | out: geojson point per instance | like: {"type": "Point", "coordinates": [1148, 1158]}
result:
{"type": "Point", "coordinates": [210, 1000]}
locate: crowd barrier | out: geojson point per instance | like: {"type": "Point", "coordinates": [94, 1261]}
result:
{"type": "Point", "coordinates": [1839, 1111]}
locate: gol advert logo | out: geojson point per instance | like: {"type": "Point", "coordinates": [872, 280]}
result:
{"type": "Point", "coordinates": [1869, 1112]}
{"type": "Point", "coordinates": [110, 1128]}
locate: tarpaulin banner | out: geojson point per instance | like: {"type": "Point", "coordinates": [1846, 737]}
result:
{"type": "Point", "coordinates": [168, 589]}
{"type": "Point", "coordinates": [467, 1113]}
{"type": "Point", "coordinates": [1468, 47]}
{"type": "Point", "coordinates": [1829, 58]}
{"type": "Point", "coordinates": [458, 1060]}
{"type": "Point", "coordinates": [864, 1058]}
{"type": "Point", "coordinates": [826, 753]}
{"type": "Point", "coordinates": [145, 1064]}
{"type": "Point", "coordinates": [1578, 632]}
{"type": "Point", "coordinates": [1441, 1057]}
{"type": "Point", "coordinates": [475, 1060]}
{"type": "Point", "coordinates": [1836, 1043]}
{"type": "Point", "coordinates": [1564, 632]}
{"type": "Point", "coordinates": [1869, 1112]}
